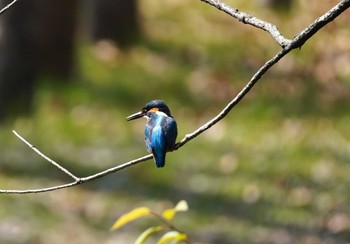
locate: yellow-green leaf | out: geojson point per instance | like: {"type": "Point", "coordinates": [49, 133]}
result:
{"type": "Point", "coordinates": [169, 213]}
{"type": "Point", "coordinates": [173, 236]}
{"type": "Point", "coordinates": [128, 217]}
{"type": "Point", "coordinates": [147, 233]}
{"type": "Point", "coordinates": [180, 207]}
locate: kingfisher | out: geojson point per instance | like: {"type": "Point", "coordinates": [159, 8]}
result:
{"type": "Point", "coordinates": [160, 130]}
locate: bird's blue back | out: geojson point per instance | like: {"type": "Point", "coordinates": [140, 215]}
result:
{"type": "Point", "coordinates": [160, 136]}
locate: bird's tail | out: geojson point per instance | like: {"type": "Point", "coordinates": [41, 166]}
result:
{"type": "Point", "coordinates": [158, 146]}
{"type": "Point", "coordinates": [160, 159]}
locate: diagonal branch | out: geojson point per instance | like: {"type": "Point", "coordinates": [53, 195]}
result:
{"type": "Point", "coordinates": [251, 20]}
{"type": "Point", "coordinates": [236, 100]}
{"type": "Point", "coordinates": [319, 23]}
{"type": "Point", "coordinates": [7, 6]}
{"type": "Point", "coordinates": [297, 42]}
{"type": "Point", "coordinates": [66, 171]}
{"type": "Point", "coordinates": [82, 180]}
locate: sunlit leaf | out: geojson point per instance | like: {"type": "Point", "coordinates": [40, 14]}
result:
{"type": "Point", "coordinates": [147, 233]}
{"type": "Point", "coordinates": [169, 213]}
{"type": "Point", "coordinates": [180, 207]}
{"type": "Point", "coordinates": [173, 236]}
{"type": "Point", "coordinates": [130, 216]}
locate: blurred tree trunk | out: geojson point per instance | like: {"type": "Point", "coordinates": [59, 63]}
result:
{"type": "Point", "coordinates": [36, 38]}
{"type": "Point", "coordinates": [18, 58]}
{"type": "Point", "coordinates": [56, 34]}
{"type": "Point", "coordinates": [278, 5]}
{"type": "Point", "coordinates": [116, 20]}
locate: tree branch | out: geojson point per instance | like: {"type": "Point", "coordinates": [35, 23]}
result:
{"type": "Point", "coordinates": [236, 100]}
{"type": "Point", "coordinates": [7, 6]}
{"type": "Point", "coordinates": [66, 171]}
{"type": "Point", "coordinates": [251, 20]}
{"type": "Point", "coordinates": [78, 180]}
{"type": "Point", "coordinates": [319, 23]}
{"type": "Point", "coordinates": [297, 42]}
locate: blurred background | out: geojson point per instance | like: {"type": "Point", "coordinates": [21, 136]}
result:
{"type": "Point", "coordinates": [275, 170]}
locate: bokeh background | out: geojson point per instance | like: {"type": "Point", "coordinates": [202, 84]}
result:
{"type": "Point", "coordinates": [275, 170]}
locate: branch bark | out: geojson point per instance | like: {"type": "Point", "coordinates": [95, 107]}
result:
{"type": "Point", "coordinates": [7, 6]}
{"type": "Point", "coordinates": [77, 180]}
{"type": "Point", "coordinates": [297, 42]}
{"type": "Point", "coordinates": [246, 18]}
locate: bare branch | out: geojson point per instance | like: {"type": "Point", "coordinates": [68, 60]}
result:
{"type": "Point", "coordinates": [39, 190]}
{"type": "Point", "coordinates": [251, 20]}
{"type": "Point", "coordinates": [79, 180]}
{"type": "Point", "coordinates": [297, 42]}
{"type": "Point", "coordinates": [7, 6]}
{"type": "Point", "coordinates": [66, 171]}
{"type": "Point", "coordinates": [236, 100]}
{"type": "Point", "coordinates": [320, 22]}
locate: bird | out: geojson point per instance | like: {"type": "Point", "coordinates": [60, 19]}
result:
{"type": "Point", "coordinates": [160, 130]}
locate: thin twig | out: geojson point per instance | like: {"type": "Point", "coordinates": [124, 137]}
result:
{"type": "Point", "coordinates": [251, 20]}
{"type": "Point", "coordinates": [66, 171]}
{"type": "Point", "coordinates": [39, 190]}
{"type": "Point", "coordinates": [319, 23]}
{"type": "Point", "coordinates": [116, 168]}
{"type": "Point", "coordinates": [236, 100]}
{"type": "Point", "coordinates": [7, 6]}
{"type": "Point", "coordinates": [297, 42]}
{"type": "Point", "coordinates": [79, 180]}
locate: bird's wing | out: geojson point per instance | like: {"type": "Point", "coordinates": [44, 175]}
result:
{"type": "Point", "coordinates": [170, 132]}
{"type": "Point", "coordinates": [148, 135]}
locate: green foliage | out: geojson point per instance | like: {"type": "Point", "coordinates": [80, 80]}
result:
{"type": "Point", "coordinates": [172, 234]}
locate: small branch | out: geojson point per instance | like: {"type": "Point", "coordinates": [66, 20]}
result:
{"type": "Point", "coordinates": [66, 171]}
{"type": "Point", "coordinates": [251, 20]}
{"type": "Point", "coordinates": [116, 168]}
{"type": "Point", "coordinates": [167, 223]}
{"type": "Point", "coordinates": [79, 180]}
{"type": "Point", "coordinates": [40, 190]}
{"type": "Point", "coordinates": [7, 6]}
{"type": "Point", "coordinates": [297, 42]}
{"type": "Point", "coordinates": [319, 23]}
{"type": "Point", "coordinates": [236, 100]}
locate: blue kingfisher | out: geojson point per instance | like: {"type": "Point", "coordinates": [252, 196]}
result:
{"type": "Point", "coordinates": [160, 130]}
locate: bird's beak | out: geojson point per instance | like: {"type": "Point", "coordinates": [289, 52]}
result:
{"type": "Point", "coordinates": [135, 116]}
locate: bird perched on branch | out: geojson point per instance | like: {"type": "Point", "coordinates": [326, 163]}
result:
{"type": "Point", "coordinates": [160, 130]}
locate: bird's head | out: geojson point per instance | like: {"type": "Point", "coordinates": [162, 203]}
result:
{"type": "Point", "coordinates": [155, 106]}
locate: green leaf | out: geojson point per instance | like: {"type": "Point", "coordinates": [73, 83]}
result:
{"type": "Point", "coordinates": [180, 207]}
{"type": "Point", "coordinates": [147, 233]}
{"type": "Point", "coordinates": [131, 216]}
{"type": "Point", "coordinates": [173, 236]}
